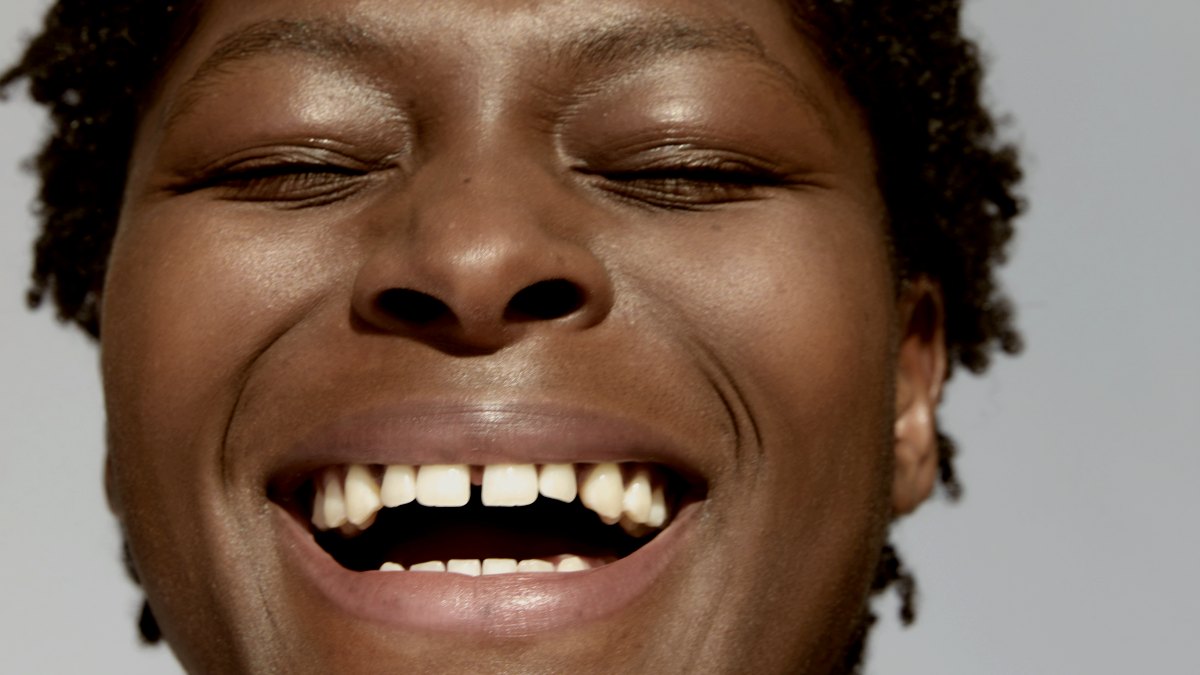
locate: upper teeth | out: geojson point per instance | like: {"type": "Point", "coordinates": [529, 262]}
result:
{"type": "Point", "coordinates": [349, 497]}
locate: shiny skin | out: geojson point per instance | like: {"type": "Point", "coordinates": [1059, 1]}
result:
{"type": "Point", "coordinates": [704, 189]}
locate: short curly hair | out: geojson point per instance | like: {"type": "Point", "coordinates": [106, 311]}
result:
{"type": "Point", "coordinates": [948, 180]}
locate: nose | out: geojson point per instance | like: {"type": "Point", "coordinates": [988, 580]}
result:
{"type": "Point", "coordinates": [471, 266]}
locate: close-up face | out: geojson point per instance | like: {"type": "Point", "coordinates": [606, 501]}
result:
{"type": "Point", "coordinates": [394, 281]}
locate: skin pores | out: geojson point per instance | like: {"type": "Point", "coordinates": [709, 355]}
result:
{"type": "Point", "coordinates": [478, 233]}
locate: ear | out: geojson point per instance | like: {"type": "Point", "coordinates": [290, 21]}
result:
{"type": "Point", "coordinates": [920, 373]}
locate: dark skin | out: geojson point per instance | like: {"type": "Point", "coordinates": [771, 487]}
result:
{"type": "Point", "coordinates": [687, 169]}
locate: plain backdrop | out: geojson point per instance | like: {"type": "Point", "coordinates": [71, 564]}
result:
{"type": "Point", "coordinates": [1076, 549]}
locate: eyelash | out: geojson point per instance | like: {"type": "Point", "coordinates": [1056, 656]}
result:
{"type": "Point", "coordinates": [297, 184]}
{"type": "Point", "coordinates": [690, 185]}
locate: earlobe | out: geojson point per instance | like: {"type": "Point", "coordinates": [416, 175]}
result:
{"type": "Point", "coordinates": [920, 373]}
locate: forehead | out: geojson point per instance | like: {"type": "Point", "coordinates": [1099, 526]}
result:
{"type": "Point", "coordinates": [485, 41]}
{"type": "Point", "coordinates": [529, 23]}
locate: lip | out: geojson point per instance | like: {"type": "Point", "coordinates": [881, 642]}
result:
{"type": "Point", "coordinates": [510, 605]}
{"type": "Point", "coordinates": [479, 434]}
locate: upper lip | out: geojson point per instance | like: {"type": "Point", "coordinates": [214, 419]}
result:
{"type": "Point", "coordinates": [422, 433]}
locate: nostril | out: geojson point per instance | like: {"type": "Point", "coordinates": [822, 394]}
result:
{"type": "Point", "coordinates": [411, 306]}
{"type": "Point", "coordinates": [545, 300]}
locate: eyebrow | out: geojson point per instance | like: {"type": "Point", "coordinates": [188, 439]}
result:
{"type": "Point", "coordinates": [329, 40]}
{"type": "Point", "coordinates": [618, 43]}
{"type": "Point", "coordinates": [664, 34]}
{"type": "Point", "coordinates": [636, 40]}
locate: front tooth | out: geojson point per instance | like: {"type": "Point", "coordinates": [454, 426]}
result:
{"type": "Point", "coordinates": [470, 568]}
{"type": "Point", "coordinates": [509, 485]}
{"type": "Point", "coordinates": [362, 496]}
{"type": "Point", "coordinates": [637, 499]}
{"type": "Point", "coordinates": [399, 485]}
{"type": "Point", "coordinates": [602, 491]}
{"type": "Point", "coordinates": [335, 503]}
{"type": "Point", "coordinates": [431, 566]}
{"type": "Point", "coordinates": [391, 567]}
{"type": "Point", "coordinates": [573, 563]}
{"type": "Point", "coordinates": [444, 485]}
{"type": "Point", "coordinates": [499, 566]}
{"type": "Point", "coordinates": [535, 566]}
{"type": "Point", "coordinates": [658, 507]}
{"type": "Point", "coordinates": [557, 481]}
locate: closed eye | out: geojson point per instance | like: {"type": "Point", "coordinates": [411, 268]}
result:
{"type": "Point", "coordinates": [290, 178]}
{"type": "Point", "coordinates": [291, 184]}
{"type": "Point", "coordinates": [691, 185]}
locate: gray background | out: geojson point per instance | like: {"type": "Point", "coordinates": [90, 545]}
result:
{"type": "Point", "coordinates": [1076, 548]}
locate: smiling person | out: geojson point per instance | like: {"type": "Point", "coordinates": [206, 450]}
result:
{"type": "Point", "coordinates": [510, 336]}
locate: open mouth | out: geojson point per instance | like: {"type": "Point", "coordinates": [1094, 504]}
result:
{"type": "Point", "coordinates": [485, 520]}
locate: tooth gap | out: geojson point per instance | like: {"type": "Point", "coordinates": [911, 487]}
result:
{"type": "Point", "coordinates": [407, 534]}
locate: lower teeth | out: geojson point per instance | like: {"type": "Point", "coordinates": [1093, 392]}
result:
{"type": "Point", "coordinates": [494, 566]}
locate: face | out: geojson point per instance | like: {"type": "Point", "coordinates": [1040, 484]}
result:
{"type": "Point", "coordinates": [589, 302]}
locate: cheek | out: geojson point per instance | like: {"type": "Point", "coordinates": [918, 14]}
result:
{"type": "Point", "coordinates": [818, 334]}
{"type": "Point", "coordinates": [189, 303]}
{"type": "Point", "coordinates": [799, 309]}
{"type": "Point", "coordinates": [799, 312]}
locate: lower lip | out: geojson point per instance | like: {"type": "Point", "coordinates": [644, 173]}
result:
{"type": "Point", "coordinates": [510, 605]}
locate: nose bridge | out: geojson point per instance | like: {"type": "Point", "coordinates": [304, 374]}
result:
{"type": "Point", "coordinates": [481, 249]}
{"type": "Point", "coordinates": [482, 205]}
{"type": "Point", "coordinates": [478, 232]}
